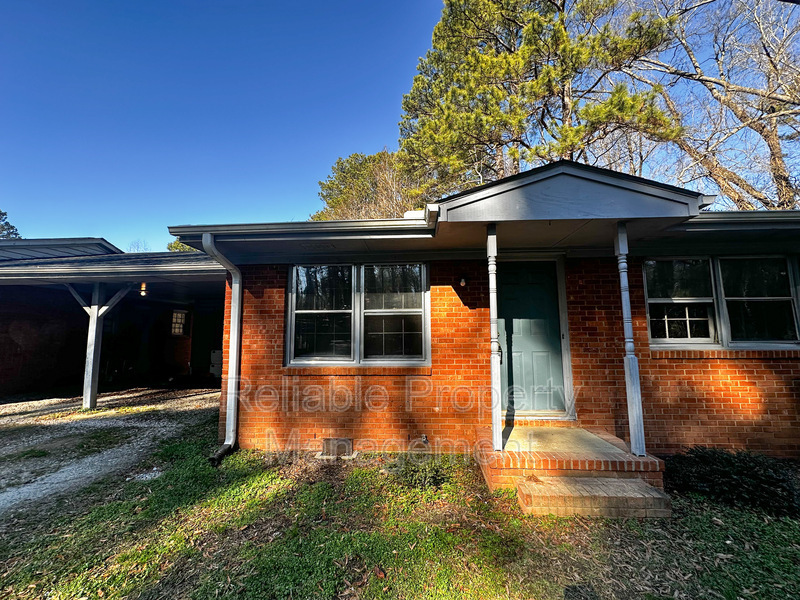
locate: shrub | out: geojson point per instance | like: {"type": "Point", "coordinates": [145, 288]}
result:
{"type": "Point", "coordinates": [423, 471]}
{"type": "Point", "coordinates": [739, 478]}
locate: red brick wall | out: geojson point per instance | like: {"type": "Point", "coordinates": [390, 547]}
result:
{"type": "Point", "coordinates": [42, 339]}
{"type": "Point", "coordinates": [379, 407]}
{"type": "Point", "coordinates": [723, 398]}
{"type": "Point", "coordinates": [726, 398]}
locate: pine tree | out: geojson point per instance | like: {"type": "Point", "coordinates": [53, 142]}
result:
{"type": "Point", "coordinates": [510, 84]}
{"type": "Point", "coordinates": [367, 186]}
{"type": "Point", "coordinates": [7, 230]}
{"type": "Point", "coordinates": [179, 246]}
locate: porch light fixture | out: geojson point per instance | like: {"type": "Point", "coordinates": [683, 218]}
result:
{"type": "Point", "coordinates": [143, 289]}
{"type": "Point", "coordinates": [463, 282]}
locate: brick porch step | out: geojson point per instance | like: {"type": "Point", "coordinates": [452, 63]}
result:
{"type": "Point", "coordinates": [591, 496]}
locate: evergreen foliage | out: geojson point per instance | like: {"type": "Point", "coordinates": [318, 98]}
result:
{"type": "Point", "coordinates": [7, 230]}
{"type": "Point", "coordinates": [509, 84]}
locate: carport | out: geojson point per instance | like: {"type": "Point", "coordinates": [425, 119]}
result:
{"type": "Point", "coordinates": [136, 317]}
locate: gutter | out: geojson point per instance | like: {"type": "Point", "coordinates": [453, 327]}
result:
{"type": "Point", "coordinates": [234, 350]}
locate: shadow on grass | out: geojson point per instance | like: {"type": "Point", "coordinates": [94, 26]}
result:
{"type": "Point", "coordinates": [368, 535]}
{"type": "Point", "coordinates": [137, 529]}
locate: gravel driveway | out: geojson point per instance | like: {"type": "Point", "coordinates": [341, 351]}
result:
{"type": "Point", "coordinates": [49, 447]}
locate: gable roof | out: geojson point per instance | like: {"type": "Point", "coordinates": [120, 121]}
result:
{"type": "Point", "coordinates": [570, 190]}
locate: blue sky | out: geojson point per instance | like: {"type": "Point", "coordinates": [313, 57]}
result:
{"type": "Point", "coordinates": [119, 118]}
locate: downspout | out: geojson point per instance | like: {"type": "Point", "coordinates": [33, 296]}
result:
{"type": "Point", "coordinates": [234, 350]}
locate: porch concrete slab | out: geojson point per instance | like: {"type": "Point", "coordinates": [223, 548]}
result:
{"type": "Point", "coordinates": [572, 441]}
{"type": "Point", "coordinates": [544, 451]}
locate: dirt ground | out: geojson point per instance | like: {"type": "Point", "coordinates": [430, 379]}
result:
{"type": "Point", "coordinates": [49, 447]}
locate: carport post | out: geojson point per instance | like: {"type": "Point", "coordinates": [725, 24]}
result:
{"type": "Point", "coordinates": [93, 345]}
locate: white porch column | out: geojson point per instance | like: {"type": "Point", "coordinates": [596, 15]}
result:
{"type": "Point", "coordinates": [93, 344]}
{"type": "Point", "coordinates": [497, 417]}
{"type": "Point", "coordinates": [632, 383]}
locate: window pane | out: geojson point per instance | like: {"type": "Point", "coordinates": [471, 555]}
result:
{"type": "Point", "coordinates": [658, 329]}
{"type": "Point", "coordinates": [690, 278]}
{"type": "Point", "coordinates": [697, 311]}
{"type": "Point", "coordinates": [393, 335]}
{"type": "Point", "coordinates": [675, 311]}
{"type": "Point", "coordinates": [324, 288]}
{"type": "Point", "coordinates": [322, 335]}
{"type": "Point", "coordinates": [761, 320]}
{"type": "Point", "coordinates": [699, 329]}
{"type": "Point", "coordinates": [681, 321]}
{"type": "Point", "coordinates": [755, 277]}
{"type": "Point", "coordinates": [657, 311]}
{"type": "Point", "coordinates": [392, 287]}
{"type": "Point", "coordinates": [677, 329]}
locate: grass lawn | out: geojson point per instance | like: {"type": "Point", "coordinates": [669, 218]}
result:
{"type": "Point", "coordinates": [292, 527]}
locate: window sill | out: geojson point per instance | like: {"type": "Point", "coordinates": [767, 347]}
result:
{"type": "Point", "coordinates": [327, 369]}
{"type": "Point", "coordinates": [733, 347]}
{"type": "Point", "coordinates": [763, 351]}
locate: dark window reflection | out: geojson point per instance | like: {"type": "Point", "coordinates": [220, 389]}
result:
{"type": "Point", "coordinates": [324, 288]}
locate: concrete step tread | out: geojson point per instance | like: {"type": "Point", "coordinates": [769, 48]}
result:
{"type": "Point", "coordinates": [599, 496]}
{"type": "Point", "coordinates": [590, 486]}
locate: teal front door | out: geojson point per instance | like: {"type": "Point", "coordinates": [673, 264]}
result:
{"type": "Point", "coordinates": [530, 338]}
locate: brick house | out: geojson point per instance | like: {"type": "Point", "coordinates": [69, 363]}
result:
{"type": "Point", "coordinates": [564, 298]}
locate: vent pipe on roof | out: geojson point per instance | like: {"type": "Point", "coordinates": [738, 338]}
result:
{"type": "Point", "coordinates": [234, 349]}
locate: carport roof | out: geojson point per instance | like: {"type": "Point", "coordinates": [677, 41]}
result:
{"type": "Point", "coordinates": [20, 249]}
{"type": "Point", "coordinates": [142, 266]}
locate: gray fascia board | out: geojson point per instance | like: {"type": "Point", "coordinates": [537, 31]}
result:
{"type": "Point", "coordinates": [383, 227]}
{"type": "Point", "coordinates": [74, 274]}
{"type": "Point", "coordinates": [730, 220]}
{"type": "Point", "coordinates": [318, 231]}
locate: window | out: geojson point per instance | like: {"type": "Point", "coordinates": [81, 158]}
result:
{"type": "Point", "coordinates": [358, 314]}
{"type": "Point", "coordinates": [179, 322]}
{"type": "Point", "coordinates": [393, 311]}
{"type": "Point", "coordinates": [323, 326]}
{"type": "Point", "coordinates": [680, 300]}
{"type": "Point", "coordinates": [758, 299]}
{"type": "Point", "coordinates": [725, 301]}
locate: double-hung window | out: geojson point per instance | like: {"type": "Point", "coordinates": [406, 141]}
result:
{"type": "Point", "coordinates": [758, 299]}
{"type": "Point", "coordinates": [323, 312]}
{"type": "Point", "coordinates": [393, 311]}
{"type": "Point", "coordinates": [680, 300]}
{"type": "Point", "coordinates": [358, 314]}
{"type": "Point", "coordinates": [726, 301]}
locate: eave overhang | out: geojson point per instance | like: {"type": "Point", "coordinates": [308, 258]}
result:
{"type": "Point", "coordinates": [117, 268]}
{"type": "Point", "coordinates": [312, 240]}
{"type": "Point", "coordinates": [564, 208]}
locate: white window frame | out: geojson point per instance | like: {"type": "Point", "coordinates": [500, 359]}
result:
{"type": "Point", "coordinates": [712, 340]}
{"type": "Point", "coordinates": [721, 318]}
{"type": "Point", "coordinates": [357, 358]}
